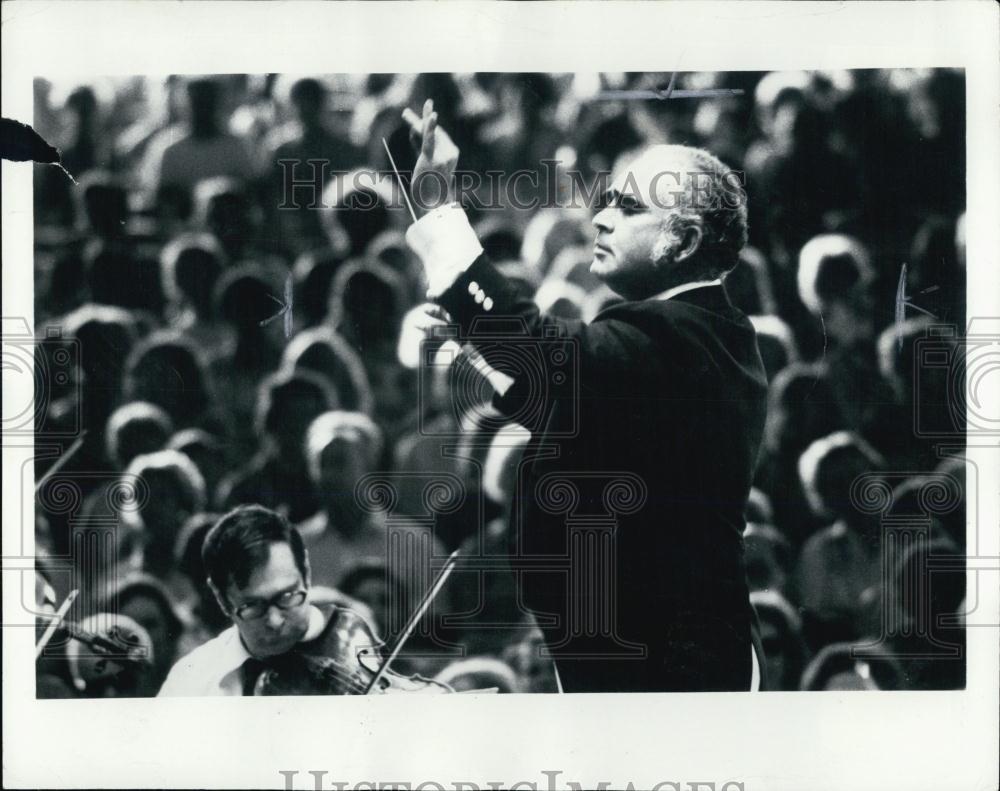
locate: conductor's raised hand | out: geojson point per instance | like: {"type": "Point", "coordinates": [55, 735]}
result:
{"type": "Point", "coordinates": [433, 175]}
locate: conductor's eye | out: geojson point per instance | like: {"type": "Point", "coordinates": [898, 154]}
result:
{"type": "Point", "coordinates": [629, 204]}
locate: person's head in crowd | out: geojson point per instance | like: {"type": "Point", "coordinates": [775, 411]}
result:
{"type": "Point", "coordinates": [367, 305]}
{"type": "Point", "coordinates": [933, 258]}
{"type": "Point", "coordinates": [341, 448]}
{"type": "Point", "coordinates": [204, 100]}
{"type": "Point", "coordinates": [82, 103]}
{"type": "Point", "coordinates": [898, 366]}
{"type": "Point", "coordinates": [146, 601]}
{"type": "Point", "coordinates": [188, 561]}
{"type": "Point", "coordinates": [105, 204]}
{"type": "Point", "coordinates": [133, 429]}
{"type": "Point", "coordinates": [572, 266]}
{"type": "Point", "coordinates": [652, 237]}
{"type": "Point", "coordinates": [308, 97]}
{"type": "Point", "coordinates": [223, 208]}
{"type": "Point", "coordinates": [372, 583]}
{"type": "Point", "coordinates": [835, 280]}
{"type": "Point", "coordinates": [313, 275]}
{"type": "Point", "coordinates": [287, 403]}
{"type": "Point", "coordinates": [478, 425]}
{"type": "Point", "coordinates": [837, 668]}
{"type": "Point", "coordinates": [111, 275]}
{"type": "Point", "coordinates": [207, 452]}
{"type": "Point", "coordinates": [166, 370]}
{"type": "Point", "coordinates": [924, 593]}
{"type": "Point", "coordinates": [322, 351]}
{"type": "Point", "coordinates": [801, 408]}
{"type": "Point", "coordinates": [720, 123]}
{"type": "Point", "coordinates": [933, 97]}
{"type": "Point", "coordinates": [749, 284]}
{"type": "Point", "coordinates": [758, 509]}
{"type": "Point", "coordinates": [502, 461]}
{"type": "Point", "coordinates": [480, 672]}
{"type": "Point", "coordinates": [244, 298]}
{"type": "Point", "coordinates": [190, 266]}
{"type": "Point", "coordinates": [931, 499]}
{"type": "Point", "coordinates": [500, 239]}
{"type": "Point", "coordinates": [768, 557]}
{"type": "Point", "coordinates": [523, 280]}
{"type": "Point", "coordinates": [780, 98]}
{"type": "Point", "coordinates": [550, 232]}
{"type": "Point", "coordinates": [174, 490]}
{"type": "Point", "coordinates": [443, 89]}
{"type": "Point", "coordinates": [953, 469]}
{"type": "Point", "coordinates": [390, 248]}
{"type": "Point", "coordinates": [384, 122]}
{"type": "Point", "coordinates": [96, 675]}
{"type": "Point", "coordinates": [827, 469]}
{"type": "Point", "coordinates": [360, 204]}
{"type": "Point", "coordinates": [785, 650]}
{"type": "Point", "coordinates": [106, 335]}
{"type": "Point", "coordinates": [65, 287]}
{"type": "Point", "coordinates": [561, 299]}
{"type": "Point", "coordinates": [776, 343]}
{"type": "Point", "coordinates": [607, 142]}
{"type": "Point", "coordinates": [258, 570]}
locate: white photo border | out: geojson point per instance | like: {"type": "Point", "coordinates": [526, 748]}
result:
{"type": "Point", "coordinates": [911, 740]}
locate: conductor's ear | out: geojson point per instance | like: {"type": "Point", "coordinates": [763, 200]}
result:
{"type": "Point", "coordinates": [690, 242]}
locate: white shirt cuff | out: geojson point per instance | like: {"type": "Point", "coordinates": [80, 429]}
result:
{"type": "Point", "coordinates": [446, 244]}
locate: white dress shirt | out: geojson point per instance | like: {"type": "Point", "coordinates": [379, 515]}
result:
{"type": "Point", "coordinates": [214, 667]}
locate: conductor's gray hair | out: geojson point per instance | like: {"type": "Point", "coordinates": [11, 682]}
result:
{"type": "Point", "coordinates": [713, 197]}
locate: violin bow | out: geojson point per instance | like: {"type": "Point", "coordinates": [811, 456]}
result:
{"type": "Point", "coordinates": [425, 603]}
{"type": "Point", "coordinates": [77, 444]}
{"type": "Point", "coordinates": [57, 618]}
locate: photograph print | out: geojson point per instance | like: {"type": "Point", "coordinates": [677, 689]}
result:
{"type": "Point", "coordinates": [500, 383]}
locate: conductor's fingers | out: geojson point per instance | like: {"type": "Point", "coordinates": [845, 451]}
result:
{"type": "Point", "coordinates": [412, 120]}
{"type": "Point", "coordinates": [430, 125]}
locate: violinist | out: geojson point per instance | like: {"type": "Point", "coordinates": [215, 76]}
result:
{"type": "Point", "coordinates": [258, 569]}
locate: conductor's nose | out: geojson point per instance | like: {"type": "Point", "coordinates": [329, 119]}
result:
{"type": "Point", "coordinates": [602, 220]}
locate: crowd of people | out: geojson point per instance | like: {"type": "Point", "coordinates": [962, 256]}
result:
{"type": "Point", "coordinates": [238, 324]}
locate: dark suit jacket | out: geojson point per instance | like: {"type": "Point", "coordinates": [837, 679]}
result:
{"type": "Point", "coordinates": [628, 514]}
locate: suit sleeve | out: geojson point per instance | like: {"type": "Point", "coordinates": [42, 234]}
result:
{"type": "Point", "coordinates": [495, 317]}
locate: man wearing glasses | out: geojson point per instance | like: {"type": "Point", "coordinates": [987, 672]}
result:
{"type": "Point", "coordinates": [258, 569]}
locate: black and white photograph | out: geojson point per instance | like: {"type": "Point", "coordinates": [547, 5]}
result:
{"type": "Point", "coordinates": [485, 381]}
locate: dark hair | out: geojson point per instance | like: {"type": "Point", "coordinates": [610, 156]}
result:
{"type": "Point", "coordinates": [167, 370]}
{"type": "Point", "coordinates": [365, 570]}
{"type": "Point", "coordinates": [307, 91]}
{"type": "Point", "coordinates": [289, 388]}
{"type": "Point", "coordinates": [150, 587]}
{"type": "Point", "coordinates": [241, 541]}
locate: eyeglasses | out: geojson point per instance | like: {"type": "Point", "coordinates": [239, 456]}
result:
{"type": "Point", "coordinates": [283, 601]}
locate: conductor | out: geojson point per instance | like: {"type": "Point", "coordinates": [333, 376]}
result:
{"type": "Point", "coordinates": [666, 398]}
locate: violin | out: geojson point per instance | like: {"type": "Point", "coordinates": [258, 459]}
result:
{"type": "Point", "coordinates": [344, 659]}
{"type": "Point", "coordinates": [119, 654]}
{"type": "Point", "coordinates": [119, 643]}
